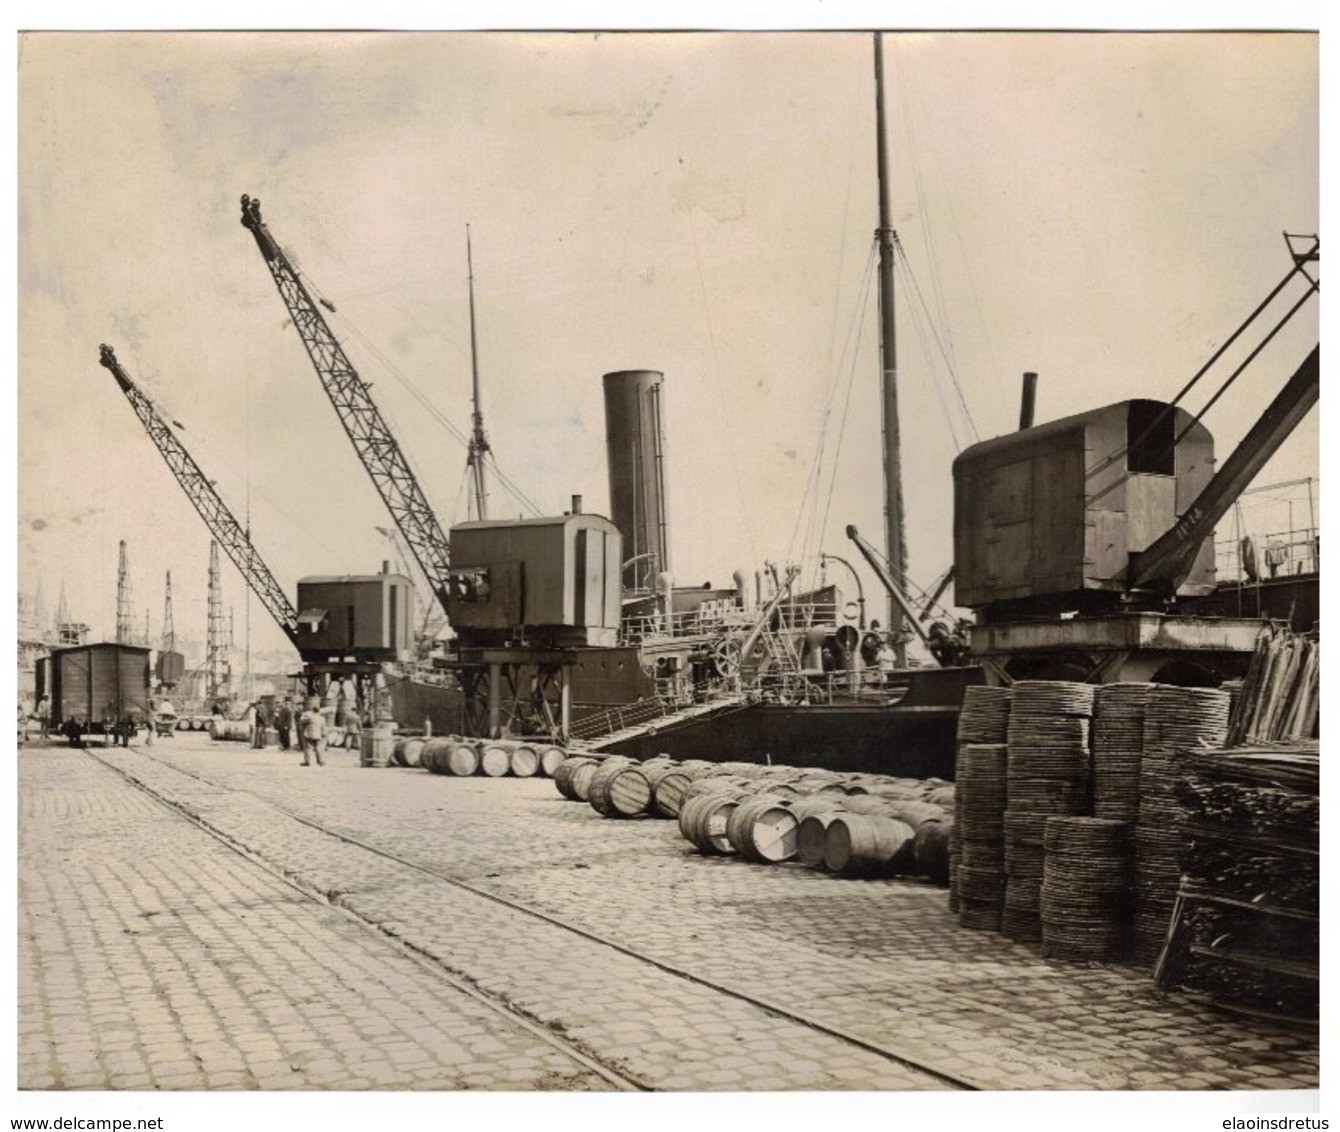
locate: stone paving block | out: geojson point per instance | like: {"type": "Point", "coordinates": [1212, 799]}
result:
{"type": "Point", "coordinates": [824, 937]}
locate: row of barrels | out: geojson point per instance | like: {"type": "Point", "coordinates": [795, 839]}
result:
{"type": "Point", "coordinates": [492, 758]}
{"type": "Point", "coordinates": [185, 723]}
{"type": "Point", "coordinates": [852, 825]}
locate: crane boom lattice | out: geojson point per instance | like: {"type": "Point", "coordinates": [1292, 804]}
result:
{"type": "Point", "coordinates": [225, 529]}
{"type": "Point", "coordinates": [376, 446]}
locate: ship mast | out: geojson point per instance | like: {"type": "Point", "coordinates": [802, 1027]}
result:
{"type": "Point", "coordinates": [479, 444]}
{"type": "Point", "coordinates": [894, 535]}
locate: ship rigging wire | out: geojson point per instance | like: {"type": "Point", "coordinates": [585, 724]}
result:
{"type": "Point", "coordinates": [418, 394]}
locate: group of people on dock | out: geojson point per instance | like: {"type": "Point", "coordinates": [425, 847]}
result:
{"type": "Point", "coordinates": [315, 731]}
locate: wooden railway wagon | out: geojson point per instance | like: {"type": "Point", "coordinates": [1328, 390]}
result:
{"type": "Point", "coordinates": [97, 685]}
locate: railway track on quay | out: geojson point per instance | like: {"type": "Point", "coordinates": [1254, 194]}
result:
{"type": "Point", "coordinates": [496, 949]}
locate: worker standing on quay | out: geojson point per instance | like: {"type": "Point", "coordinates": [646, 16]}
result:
{"type": "Point", "coordinates": [284, 724]}
{"type": "Point", "coordinates": [312, 728]}
{"type": "Point", "coordinates": [261, 724]}
{"type": "Point", "coordinates": [353, 730]}
{"type": "Point", "coordinates": [44, 717]}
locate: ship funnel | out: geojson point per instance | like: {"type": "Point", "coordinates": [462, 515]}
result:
{"type": "Point", "coordinates": [635, 449]}
{"type": "Point", "coordinates": [741, 588]}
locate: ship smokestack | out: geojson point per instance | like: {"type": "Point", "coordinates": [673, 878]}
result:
{"type": "Point", "coordinates": [1028, 400]}
{"type": "Point", "coordinates": [576, 504]}
{"type": "Point", "coordinates": [635, 449]}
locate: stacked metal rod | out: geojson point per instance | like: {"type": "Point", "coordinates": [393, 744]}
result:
{"type": "Point", "coordinates": [977, 846]}
{"type": "Point", "coordinates": [1047, 776]}
{"type": "Point", "coordinates": [1179, 722]}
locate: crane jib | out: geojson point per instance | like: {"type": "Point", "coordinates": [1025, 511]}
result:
{"type": "Point", "coordinates": [373, 440]}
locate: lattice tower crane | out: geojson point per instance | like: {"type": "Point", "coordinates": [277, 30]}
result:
{"type": "Point", "coordinates": [377, 448]}
{"type": "Point", "coordinates": [124, 631]}
{"type": "Point", "coordinates": [226, 530]}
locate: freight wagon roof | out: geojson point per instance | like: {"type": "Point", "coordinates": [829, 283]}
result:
{"type": "Point", "coordinates": [1026, 442]}
{"type": "Point", "coordinates": [346, 579]}
{"type": "Point", "coordinates": [101, 645]}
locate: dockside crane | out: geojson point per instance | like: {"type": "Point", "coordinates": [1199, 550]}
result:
{"type": "Point", "coordinates": [377, 448]}
{"type": "Point", "coordinates": [224, 528]}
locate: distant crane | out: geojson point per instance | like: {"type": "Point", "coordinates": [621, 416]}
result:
{"type": "Point", "coordinates": [225, 529]}
{"type": "Point", "coordinates": [377, 448]}
{"type": "Point", "coordinates": [169, 640]}
{"type": "Point", "coordinates": [125, 632]}
{"type": "Point", "coordinates": [218, 671]}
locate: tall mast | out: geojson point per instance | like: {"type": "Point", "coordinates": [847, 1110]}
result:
{"type": "Point", "coordinates": [895, 538]}
{"type": "Point", "coordinates": [479, 444]}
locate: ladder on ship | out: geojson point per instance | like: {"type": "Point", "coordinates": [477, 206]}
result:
{"type": "Point", "coordinates": [614, 725]}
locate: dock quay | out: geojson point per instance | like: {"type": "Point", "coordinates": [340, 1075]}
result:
{"type": "Point", "coordinates": [200, 917]}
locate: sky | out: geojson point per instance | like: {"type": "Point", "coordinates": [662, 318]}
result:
{"type": "Point", "coordinates": [1101, 208]}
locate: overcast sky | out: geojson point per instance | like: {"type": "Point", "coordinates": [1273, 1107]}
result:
{"type": "Point", "coordinates": [1101, 208]}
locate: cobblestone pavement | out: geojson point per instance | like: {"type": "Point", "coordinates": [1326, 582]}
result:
{"type": "Point", "coordinates": [880, 959]}
{"type": "Point", "coordinates": [153, 957]}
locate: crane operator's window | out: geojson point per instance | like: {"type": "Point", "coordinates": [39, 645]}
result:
{"type": "Point", "coordinates": [1149, 438]}
{"type": "Point", "coordinates": [470, 587]}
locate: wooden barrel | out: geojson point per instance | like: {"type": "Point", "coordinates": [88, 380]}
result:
{"type": "Point", "coordinates": [413, 751]}
{"type": "Point", "coordinates": [551, 758]}
{"type": "Point", "coordinates": [495, 758]}
{"type": "Point", "coordinates": [866, 804]}
{"type": "Point", "coordinates": [461, 758]}
{"type": "Point", "coordinates": [741, 825]}
{"type": "Point", "coordinates": [821, 803]}
{"type": "Point", "coordinates": [184, 724]}
{"type": "Point", "coordinates": [866, 845]}
{"type": "Point", "coordinates": [770, 835]}
{"type": "Point", "coordinates": [376, 748]}
{"type": "Point", "coordinates": [581, 779]}
{"type": "Point", "coordinates": [563, 775]}
{"type": "Point", "coordinates": [703, 821]}
{"type": "Point", "coordinates": [930, 850]}
{"type": "Point", "coordinates": [653, 770]}
{"type": "Point", "coordinates": [433, 757]}
{"type": "Point", "coordinates": [525, 761]}
{"type": "Point", "coordinates": [914, 812]}
{"type": "Point", "coordinates": [619, 790]}
{"type": "Point", "coordinates": [398, 753]}
{"type": "Point", "coordinates": [668, 794]}
{"type": "Point", "coordinates": [941, 796]}
{"type": "Point", "coordinates": [810, 835]}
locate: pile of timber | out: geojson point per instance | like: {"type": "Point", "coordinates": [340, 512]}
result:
{"type": "Point", "coordinates": [1280, 698]}
{"type": "Point", "coordinates": [1245, 928]}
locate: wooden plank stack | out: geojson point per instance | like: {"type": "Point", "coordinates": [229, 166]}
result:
{"type": "Point", "coordinates": [1281, 693]}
